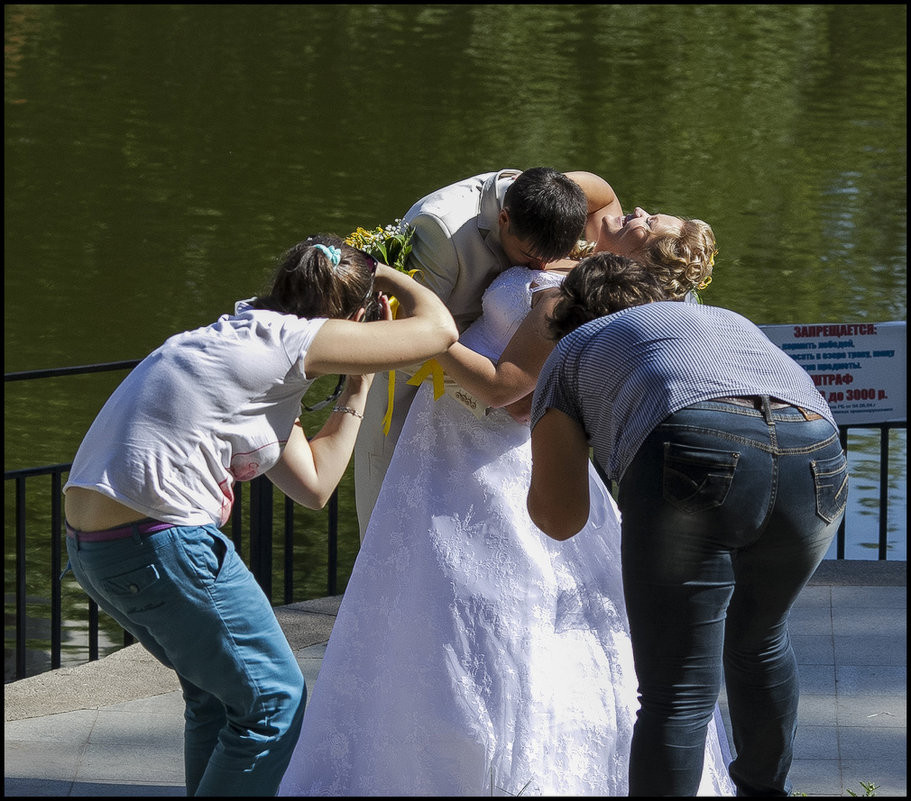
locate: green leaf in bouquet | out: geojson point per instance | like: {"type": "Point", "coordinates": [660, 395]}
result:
{"type": "Point", "coordinates": [390, 244]}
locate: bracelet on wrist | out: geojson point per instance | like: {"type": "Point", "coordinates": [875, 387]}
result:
{"type": "Point", "coordinates": [348, 410]}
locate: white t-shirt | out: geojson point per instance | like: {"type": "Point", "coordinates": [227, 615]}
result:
{"type": "Point", "coordinates": [209, 407]}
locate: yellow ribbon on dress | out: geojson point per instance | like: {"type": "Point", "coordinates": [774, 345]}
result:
{"type": "Point", "coordinates": [442, 385]}
{"type": "Point", "coordinates": [387, 418]}
{"type": "Point", "coordinates": [429, 369]}
{"type": "Point", "coordinates": [432, 369]}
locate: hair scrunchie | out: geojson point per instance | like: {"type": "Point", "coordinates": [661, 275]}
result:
{"type": "Point", "coordinates": [332, 253]}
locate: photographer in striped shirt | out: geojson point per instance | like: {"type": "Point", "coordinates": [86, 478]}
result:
{"type": "Point", "coordinates": [731, 485]}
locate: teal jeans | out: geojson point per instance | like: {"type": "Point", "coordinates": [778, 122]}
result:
{"type": "Point", "coordinates": [186, 595]}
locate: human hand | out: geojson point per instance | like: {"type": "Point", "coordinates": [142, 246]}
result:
{"type": "Point", "coordinates": [385, 306]}
{"type": "Point", "coordinates": [358, 384]}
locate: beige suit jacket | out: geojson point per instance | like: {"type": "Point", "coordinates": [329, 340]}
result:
{"type": "Point", "coordinates": [457, 248]}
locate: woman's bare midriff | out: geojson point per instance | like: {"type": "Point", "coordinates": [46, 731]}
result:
{"type": "Point", "coordinates": [87, 510]}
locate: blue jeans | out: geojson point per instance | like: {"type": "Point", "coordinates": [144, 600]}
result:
{"type": "Point", "coordinates": [187, 596]}
{"type": "Point", "coordinates": [727, 511]}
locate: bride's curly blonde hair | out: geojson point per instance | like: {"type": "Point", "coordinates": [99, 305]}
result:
{"type": "Point", "coordinates": [683, 261]}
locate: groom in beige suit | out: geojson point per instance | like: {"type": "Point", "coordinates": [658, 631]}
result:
{"type": "Point", "coordinates": [465, 235]}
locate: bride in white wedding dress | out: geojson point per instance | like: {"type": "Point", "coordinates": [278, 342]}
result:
{"type": "Point", "coordinates": [472, 654]}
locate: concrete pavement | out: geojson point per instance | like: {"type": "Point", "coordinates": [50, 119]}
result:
{"type": "Point", "coordinates": [114, 727]}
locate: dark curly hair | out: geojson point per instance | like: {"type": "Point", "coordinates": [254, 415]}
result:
{"type": "Point", "coordinates": [307, 283]}
{"type": "Point", "coordinates": [602, 284]}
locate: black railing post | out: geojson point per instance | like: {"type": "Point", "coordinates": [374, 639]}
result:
{"type": "Point", "coordinates": [288, 545]}
{"type": "Point", "coordinates": [261, 532]}
{"type": "Point", "coordinates": [883, 491]}
{"type": "Point", "coordinates": [93, 631]}
{"type": "Point", "coordinates": [237, 519]}
{"type": "Point", "coordinates": [20, 577]}
{"type": "Point", "coordinates": [840, 537]}
{"type": "Point", "coordinates": [56, 548]}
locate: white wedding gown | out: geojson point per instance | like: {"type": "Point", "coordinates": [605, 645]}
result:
{"type": "Point", "coordinates": [472, 654]}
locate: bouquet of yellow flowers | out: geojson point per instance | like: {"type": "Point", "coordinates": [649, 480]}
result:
{"type": "Point", "coordinates": [389, 244]}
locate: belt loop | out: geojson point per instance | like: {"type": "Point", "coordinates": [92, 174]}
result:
{"type": "Point", "coordinates": [137, 537]}
{"type": "Point", "coordinates": [766, 408]}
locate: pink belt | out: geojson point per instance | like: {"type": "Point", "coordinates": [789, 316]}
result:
{"type": "Point", "coordinates": [141, 527]}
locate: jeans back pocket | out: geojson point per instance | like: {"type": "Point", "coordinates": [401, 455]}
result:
{"type": "Point", "coordinates": [831, 479]}
{"type": "Point", "coordinates": [135, 591]}
{"type": "Point", "coordinates": [696, 479]}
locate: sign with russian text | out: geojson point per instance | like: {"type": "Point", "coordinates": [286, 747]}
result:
{"type": "Point", "coordinates": [859, 368]}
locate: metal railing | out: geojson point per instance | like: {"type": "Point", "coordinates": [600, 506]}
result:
{"type": "Point", "coordinates": [882, 538]}
{"type": "Point", "coordinates": [258, 550]}
{"type": "Point", "coordinates": [261, 531]}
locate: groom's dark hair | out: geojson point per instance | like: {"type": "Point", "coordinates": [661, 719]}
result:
{"type": "Point", "coordinates": [547, 210]}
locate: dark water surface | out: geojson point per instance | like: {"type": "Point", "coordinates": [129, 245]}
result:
{"type": "Point", "coordinates": [160, 157]}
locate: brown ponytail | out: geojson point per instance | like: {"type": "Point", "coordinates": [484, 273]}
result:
{"type": "Point", "coordinates": [311, 283]}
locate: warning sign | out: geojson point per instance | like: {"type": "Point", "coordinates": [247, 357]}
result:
{"type": "Point", "coordinates": [859, 368]}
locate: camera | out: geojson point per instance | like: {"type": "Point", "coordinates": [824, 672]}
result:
{"type": "Point", "coordinates": [373, 309]}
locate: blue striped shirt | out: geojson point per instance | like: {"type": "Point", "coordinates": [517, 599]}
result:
{"type": "Point", "coordinates": [621, 375]}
